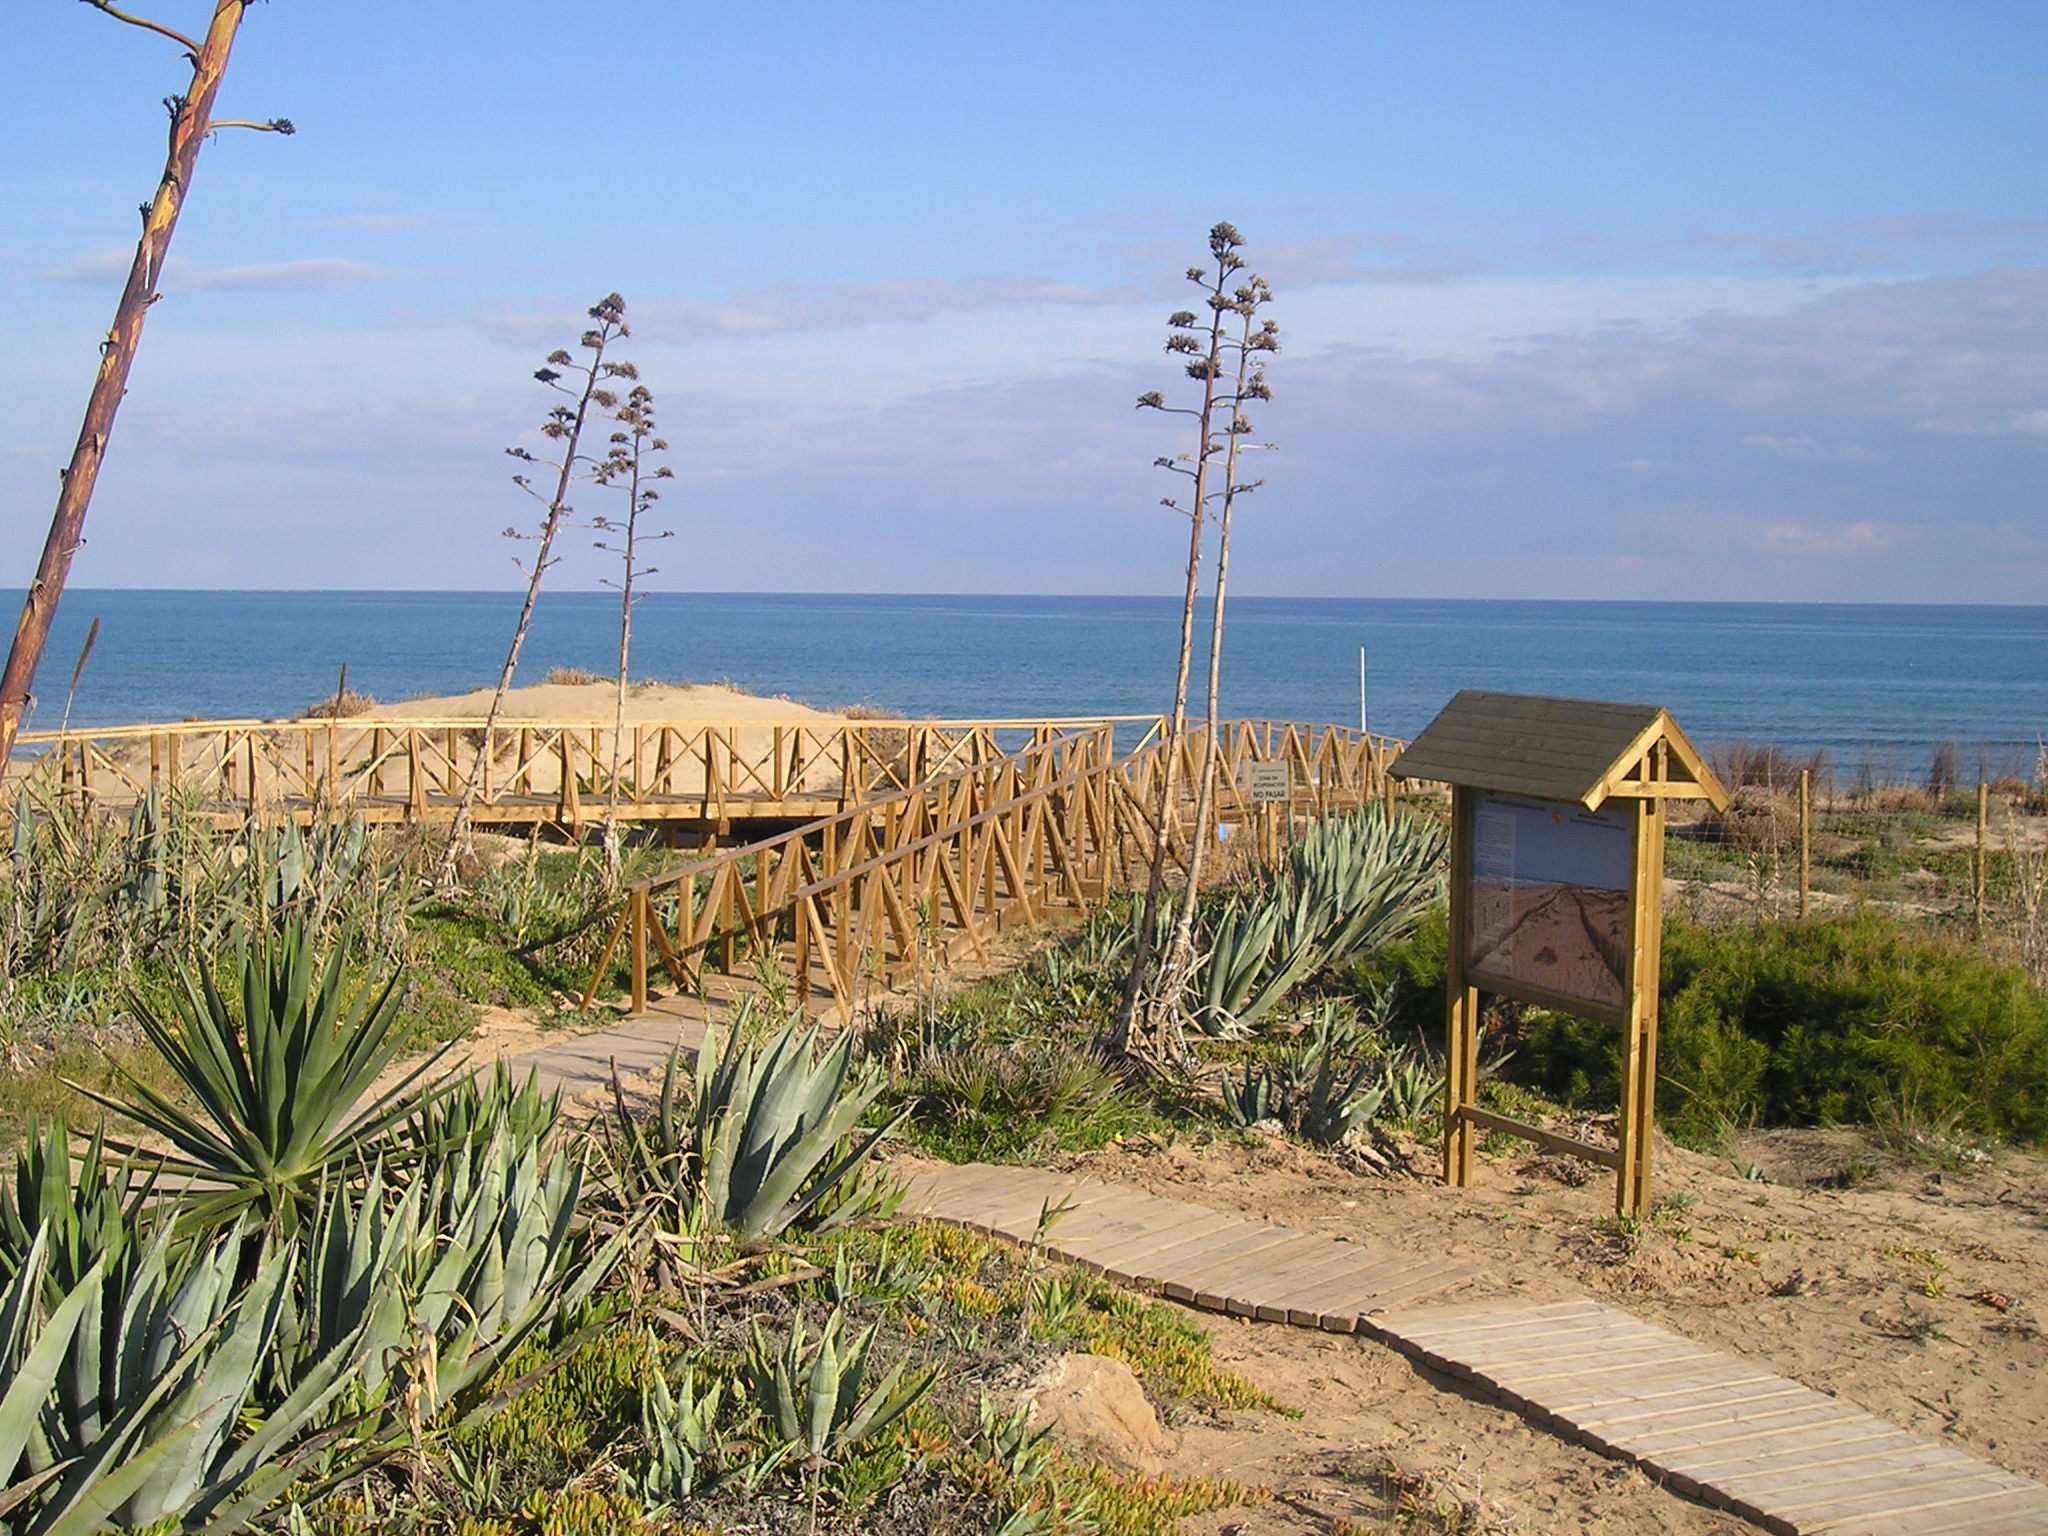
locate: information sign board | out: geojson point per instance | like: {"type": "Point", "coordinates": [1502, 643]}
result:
{"type": "Point", "coordinates": [1269, 783]}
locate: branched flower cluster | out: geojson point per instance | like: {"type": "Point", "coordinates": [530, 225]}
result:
{"type": "Point", "coordinates": [583, 387]}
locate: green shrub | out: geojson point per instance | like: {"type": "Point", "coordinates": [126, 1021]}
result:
{"type": "Point", "coordinates": [1822, 1022]}
{"type": "Point", "coordinates": [1409, 974]}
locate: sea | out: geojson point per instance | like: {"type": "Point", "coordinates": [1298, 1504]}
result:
{"type": "Point", "coordinates": [1877, 687]}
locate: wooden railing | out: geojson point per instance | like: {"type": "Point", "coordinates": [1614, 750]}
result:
{"type": "Point", "coordinates": [524, 772]}
{"type": "Point", "coordinates": [907, 881]}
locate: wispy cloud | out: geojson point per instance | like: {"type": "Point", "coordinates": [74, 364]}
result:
{"type": "Point", "coordinates": [109, 265]}
{"type": "Point", "coordinates": [1373, 258]}
{"type": "Point", "coordinates": [1809, 448]}
{"type": "Point", "coordinates": [375, 223]}
{"type": "Point", "coordinates": [310, 273]}
{"type": "Point", "coordinates": [1790, 538]}
{"type": "Point", "coordinates": [1789, 253]}
{"type": "Point", "coordinates": [93, 269]}
{"type": "Point", "coordinates": [1924, 227]}
{"type": "Point", "coordinates": [783, 308]}
{"type": "Point", "coordinates": [2024, 423]}
{"type": "Point", "coordinates": [1381, 258]}
{"type": "Point", "coordinates": [1673, 458]}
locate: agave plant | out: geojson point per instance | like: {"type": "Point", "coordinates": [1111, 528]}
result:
{"type": "Point", "coordinates": [35, 1342]}
{"type": "Point", "coordinates": [1414, 1087]}
{"type": "Point", "coordinates": [1342, 1085]}
{"type": "Point", "coordinates": [137, 1400]}
{"type": "Point", "coordinates": [469, 1110]}
{"type": "Point", "coordinates": [1349, 883]}
{"type": "Point", "coordinates": [1258, 1096]}
{"type": "Point", "coordinates": [1322, 1090]}
{"type": "Point", "coordinates": [814, 1399]}
{"type": "Point", "coordinates": [283, 1081]}
{"type": "Point", "coordinates": [86, 1207]}
{"type": "Point", "coordinates": [680, 1428]}
{"type": "Point", "coordinates": [764, 1144]}
{"type": "Point", "coordinates": [495, 1252]}
{"type": "Point", "coordinates": [441, 1280]}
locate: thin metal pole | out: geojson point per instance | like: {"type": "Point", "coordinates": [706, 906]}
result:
{"type": "Point", "coordinates": [1361, 691]}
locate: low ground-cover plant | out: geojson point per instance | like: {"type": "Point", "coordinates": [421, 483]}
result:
{"type": "Point", "coordinates": [640, 1430]}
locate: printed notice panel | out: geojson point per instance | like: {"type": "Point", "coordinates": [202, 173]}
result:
{"type": "Point", "coordinates": [1550, 899]}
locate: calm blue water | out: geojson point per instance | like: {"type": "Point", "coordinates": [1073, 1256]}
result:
{"type": "Point", "coordinates": [1889, 681]}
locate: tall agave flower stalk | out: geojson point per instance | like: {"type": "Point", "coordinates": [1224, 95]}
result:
{"type": "Point", "coordinates": [1246, 354]}
{"type": "Point", "coordinates": [588, 388]}
{"type": "Point", "coordinates": [628, 467]}
{"type": "Point", "coordinates": [1229, 369]}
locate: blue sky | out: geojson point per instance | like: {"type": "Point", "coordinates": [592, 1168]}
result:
{"type": "Point", "coordinates": [1629, 301]}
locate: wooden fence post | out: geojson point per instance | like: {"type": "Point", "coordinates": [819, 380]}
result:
{"type": "Point", "coordinates": [643, 904]}
{"type": "Point", "coordinates": [1805, 840]}
{"type": "Point", "coordinates": [1983, 826]}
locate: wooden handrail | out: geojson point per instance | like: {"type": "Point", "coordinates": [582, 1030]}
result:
{"type": "Point", "coordinates": [1053, 827]}
{"type": "Point", "coordinates": [527, 771]}
{"type": "Point", "coordinates": [511, 722]}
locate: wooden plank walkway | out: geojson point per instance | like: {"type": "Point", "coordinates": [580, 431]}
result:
{"type": "Point", "coordinates": [1716, 1426]}
{"type": "Point", "coordinates": [1187, 1252]}
{"type": "Point", "coordinates": [1712, 1426]}
{"type": "Point", "coordinates": [574, 1065]}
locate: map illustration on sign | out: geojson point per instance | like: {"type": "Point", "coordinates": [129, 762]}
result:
{"type": "Point", "coordinates": [1550, 898]}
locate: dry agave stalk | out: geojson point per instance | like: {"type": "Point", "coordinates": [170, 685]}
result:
{"type": "Point", "coordinates": [588, 389]}
{"type": "Point", "coordinates": [628, 466]}
{"type": "Point", "coordinates": [1229, 365]}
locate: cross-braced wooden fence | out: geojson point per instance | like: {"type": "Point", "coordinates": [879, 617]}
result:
{"type": "Point", "coordinates": [906, 882]}
{"type": "Point", "coordinates": [566, 774]}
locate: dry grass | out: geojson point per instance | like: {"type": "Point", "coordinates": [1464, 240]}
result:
{"type": "Point", "coordinates": [572, 677]}
{"type": "Point", "coordinates": [345, 705]}
{"type": "Point", "coordinates": [1744, 764]}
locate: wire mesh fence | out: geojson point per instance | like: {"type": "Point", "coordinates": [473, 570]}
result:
{"type": "Point", "coordinates": [1958, 853]}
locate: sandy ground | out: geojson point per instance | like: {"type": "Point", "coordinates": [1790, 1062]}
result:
{"type": "Point", "coordinates": [758, 752]}
{"type": "Point", "coordinates": [596, 701]}
{"type": "Point", "coordinates": [1917, 1294]}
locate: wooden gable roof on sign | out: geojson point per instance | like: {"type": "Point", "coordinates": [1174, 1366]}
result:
{"type": "Point", "coordinates": [1560, 749]}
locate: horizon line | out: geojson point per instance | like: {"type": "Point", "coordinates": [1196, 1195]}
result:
{"type": "Point", "coordinates": [1150, 597]}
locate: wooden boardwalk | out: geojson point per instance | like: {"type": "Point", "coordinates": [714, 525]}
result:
{"type": "Point", "coordinates": [1188, 1252]}
{"type": "Point", "coordinates": [1713, 1426]}
{"type": "Point", "coordinates": [579, 1064]}
{"type": "Point", "coordinates": [1717, 1426]}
